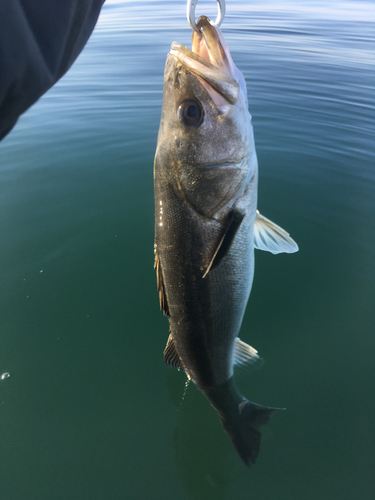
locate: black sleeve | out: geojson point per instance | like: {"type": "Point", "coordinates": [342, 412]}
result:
{"type": "Point", "coordinates": [39, 41]}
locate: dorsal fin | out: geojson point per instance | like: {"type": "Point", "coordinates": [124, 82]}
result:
{"type": "Point", "coordinates": [234, 220]}
{"type": "Point", "coordinates": [272, 238]}
{"type": "Point", "coordinates": [171, 357]}
{"type": "Point", "coordinates": [160, 284]}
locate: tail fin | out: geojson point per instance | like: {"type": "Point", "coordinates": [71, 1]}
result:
{"type": "Point", "coordinates": [244, 432]}
{"type": "Point", "coordinates": [240, 418]}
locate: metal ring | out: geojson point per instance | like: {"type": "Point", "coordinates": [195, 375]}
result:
{"type": "Point", "coordinates": [190, 12]}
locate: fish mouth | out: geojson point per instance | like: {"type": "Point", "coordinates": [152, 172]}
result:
{"type": "Point", "coordinates": [209, 44]}
{"type": "Point", "coordinates": [210, 61]}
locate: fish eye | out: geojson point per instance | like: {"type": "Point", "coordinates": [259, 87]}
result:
{"type": "Point", "coordinates": [190, 112]}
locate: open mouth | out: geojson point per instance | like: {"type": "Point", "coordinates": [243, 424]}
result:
{"type": "Point", "coordinates": [209, 44]}
{"type": "Point", "coordinates": [210, 61]}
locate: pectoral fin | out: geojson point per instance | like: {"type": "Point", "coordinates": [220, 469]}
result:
{"type": "Point", "coordinates": [171, 357]}
{"type": "Point", "coordinates": [233, 223]}
{"type": "Point", "coordinates": [160, 284]}
{"type": "Point", "coordinates": [271, 237]}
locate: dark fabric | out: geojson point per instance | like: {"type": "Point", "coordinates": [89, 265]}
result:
{"type": "Point", "coordinates": [39, 41]}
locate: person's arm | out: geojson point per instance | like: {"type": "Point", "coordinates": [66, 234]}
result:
{"type": "Point", "coordinates": [39, 41]}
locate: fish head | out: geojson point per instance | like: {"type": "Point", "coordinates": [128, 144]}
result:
{"type": "Point", "coordinates": [205, 138]}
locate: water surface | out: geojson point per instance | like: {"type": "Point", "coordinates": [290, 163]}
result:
{"type": "Point", "coordinates": [89, 410]}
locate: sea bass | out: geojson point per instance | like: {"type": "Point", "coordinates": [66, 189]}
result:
{"type": "Point", "coordinates": [207, 226]}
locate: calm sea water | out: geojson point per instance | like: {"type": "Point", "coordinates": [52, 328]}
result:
{"type": "Point", "coordinates": [89, 410]}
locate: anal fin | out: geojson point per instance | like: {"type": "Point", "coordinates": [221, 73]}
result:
{"type": "Point", "coordinates": [171, 357]}
{"type": "Point", "coordinates": [245, 355]}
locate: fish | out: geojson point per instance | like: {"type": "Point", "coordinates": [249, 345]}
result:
{"type": "Point", "coordinates": [207, 226]}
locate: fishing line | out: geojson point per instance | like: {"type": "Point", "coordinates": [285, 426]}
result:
{"type": "Point", "coordinates": [184, 393]}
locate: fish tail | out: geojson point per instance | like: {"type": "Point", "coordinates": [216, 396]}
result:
{"type": "Point", "coordinates": [244, 430]}
{"type": "Point", "coordinates": [240, 418]}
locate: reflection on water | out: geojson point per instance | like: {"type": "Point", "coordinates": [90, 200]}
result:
{"type": "Point", "coordinates": [86, 412]}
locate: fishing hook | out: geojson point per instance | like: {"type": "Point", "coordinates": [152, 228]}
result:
{"type": "Point", "coordinates": [190, 12]}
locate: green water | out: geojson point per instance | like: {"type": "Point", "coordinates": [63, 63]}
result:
{"type": "Point", "coordinates": [89, 410]}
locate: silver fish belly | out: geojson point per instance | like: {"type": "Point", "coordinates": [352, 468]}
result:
{"type": "Point", "coordinates": [207, 226]}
